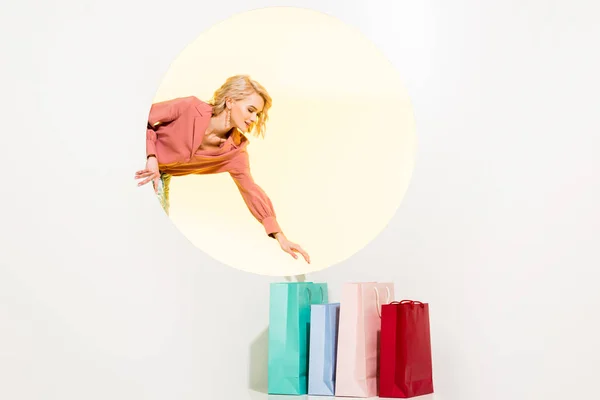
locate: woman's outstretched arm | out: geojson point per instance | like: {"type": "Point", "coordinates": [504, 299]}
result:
{"type": "Point", "coordinates": [260, 205]}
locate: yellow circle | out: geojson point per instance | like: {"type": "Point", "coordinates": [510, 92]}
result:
{"type": "Point", "coordinates": [339, 148]}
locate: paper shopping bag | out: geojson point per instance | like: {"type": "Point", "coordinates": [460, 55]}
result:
{"type": "Point", "coordinates": [405, 363]}
{"type": "Point", "coordinates": [289, 324]}
{"type": "Point", "coordinates": [358, 338]}
{"type": "Point", "coordinates": [322, 348]}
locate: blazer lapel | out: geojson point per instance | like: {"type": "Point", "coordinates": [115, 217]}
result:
{"type": "Point", "coordinates": [200, 124]}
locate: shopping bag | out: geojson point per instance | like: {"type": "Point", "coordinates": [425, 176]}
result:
{"type": "Point", "coordinates": [323, 348]}
{"type": "Point", "coordinates": [358, 338]}
{"type": "Point", "coordinates": [289, 324]}
{"type": "Point", "coordinates": [406, 362]}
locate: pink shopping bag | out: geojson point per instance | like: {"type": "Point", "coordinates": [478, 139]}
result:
{"type": "Point", "coordinates": [358, 338]}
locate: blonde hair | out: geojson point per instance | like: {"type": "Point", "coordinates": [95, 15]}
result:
{"type": "Point", "coordinates": [238, 87]}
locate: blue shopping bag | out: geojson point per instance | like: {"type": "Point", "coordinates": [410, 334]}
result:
{"type": "Point", "coordinates": [324, 323]}
{"type": "Point", "coordinates": [289, 329]}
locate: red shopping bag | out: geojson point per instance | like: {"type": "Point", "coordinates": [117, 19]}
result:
{"type": "Point", "coordinates": [405, 365]}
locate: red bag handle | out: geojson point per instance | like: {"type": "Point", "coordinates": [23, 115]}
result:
{"type": "Point", "coordinates": [411, 302]}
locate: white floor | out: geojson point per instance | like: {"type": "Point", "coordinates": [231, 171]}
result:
{"type": "Point", "coordinates": [262, 396]}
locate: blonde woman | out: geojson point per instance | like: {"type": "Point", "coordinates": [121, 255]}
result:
{"type": "Point", "coordinates": [188, 136]}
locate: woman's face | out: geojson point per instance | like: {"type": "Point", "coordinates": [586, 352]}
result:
{"type": "Point", "coordinates": [244, 112]}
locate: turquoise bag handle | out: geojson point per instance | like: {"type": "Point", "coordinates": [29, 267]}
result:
{"type": "Point", "coordinates": [310, 295]}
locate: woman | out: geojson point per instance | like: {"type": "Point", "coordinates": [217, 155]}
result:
{"type": "Point", "coordinates": [188, 136]}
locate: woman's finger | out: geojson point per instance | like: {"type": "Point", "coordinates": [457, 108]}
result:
{"type": "Point", "coordinates": [145, 181]}
{"type": "Point", "coordinates": [287, 249]}
{"type": "Point", "coordinates": [150, 175]}
{"type": "Point", "coordinates": [142, 183]}
{"type": "Point", "coordinates": [144, 174]}
{"type": "Point", "coordinates": [306, 256]}
{"type": "Point", "coordinates": [301, 251]}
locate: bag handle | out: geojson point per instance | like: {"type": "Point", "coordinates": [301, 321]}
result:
{"type": "Point", "coordinates": [411, 302]}
{"type": "Point", "coordinates": [310, 295]}
{"type": "Point", "coordinates": [377, 302]}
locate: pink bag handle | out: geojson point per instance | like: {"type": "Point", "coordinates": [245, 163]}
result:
{"type": "Point", "coordinates": [377, 302]}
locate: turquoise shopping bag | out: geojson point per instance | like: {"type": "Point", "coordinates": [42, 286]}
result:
{"type": "Point", "coordinates": [289, 330]}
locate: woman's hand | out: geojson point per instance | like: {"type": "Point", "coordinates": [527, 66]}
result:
{"type": "Point", "coordinates": [290, 247]}
{"type": "Point", "coordinates": [151, 173]}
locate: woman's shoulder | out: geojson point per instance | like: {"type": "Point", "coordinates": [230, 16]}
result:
{"type": "Point", "coordinates": [191, 100]}
{"type": "Point", "coordinates": [194, 102]}
{"type": "Point", "coordinates": [199, 104]}
{"type": "Point", "coordinates": [186, 104]}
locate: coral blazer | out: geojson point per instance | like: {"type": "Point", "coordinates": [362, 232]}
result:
{"type": "Point", "coordinates": [174, 135]}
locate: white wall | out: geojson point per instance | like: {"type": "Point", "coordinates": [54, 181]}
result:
{"type": "Point", "coordinates": [101, 297]}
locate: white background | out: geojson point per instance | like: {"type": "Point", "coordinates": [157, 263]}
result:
{"type": "Point", "coordinates": [102, 298]}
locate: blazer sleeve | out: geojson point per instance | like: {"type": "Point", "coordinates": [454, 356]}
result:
{"type": "Point", "coordinates": [163, 113]}
{"type": "Point", "coordinates": [255, 198]}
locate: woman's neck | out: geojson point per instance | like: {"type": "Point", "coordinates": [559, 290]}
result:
{"type": "Point", "coordinates": [217, 126]}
